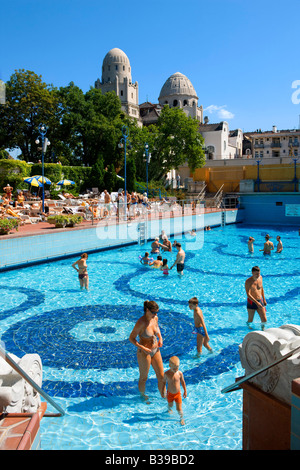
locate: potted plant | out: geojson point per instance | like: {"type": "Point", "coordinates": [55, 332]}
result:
{"type": "Point", "coordinates": [58, 220]}
{"type": "Point", "coordinates": [6, 225]}
{"type": "Point", "coordinates": [61, 221]}
{"type": "Point", "coordinates": [74, 220]}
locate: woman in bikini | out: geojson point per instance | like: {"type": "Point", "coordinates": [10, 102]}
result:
{"type": "Point", "coordinates": [155, 246]}
{"type": "Point", "coordinates": [148, 352]}
{"type": "Point", "coordinates": [82, 271]}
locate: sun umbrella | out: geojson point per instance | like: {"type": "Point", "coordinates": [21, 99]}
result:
{"type": "Point", "coordinates": [43, 179]}
{"type": "Point", "coordinates": [37, 180]}
{"type": "Point", "coordinates": [32, 180]}
{"type": "Point", "coordinates": [65, 182]}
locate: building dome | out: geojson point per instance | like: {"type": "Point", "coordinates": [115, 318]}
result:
{"type": "Point", "coordinates": [177, 84]}
{"type": "Point", "coordinates": [115, 56]}
{"type": "Point", "coordinates": [115, 64]}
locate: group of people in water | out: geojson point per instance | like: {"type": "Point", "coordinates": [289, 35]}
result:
{"type": "Point", "coordinates": [146, 334]}
{"type": "Point", "coordinates": [268, 245]}
{"type": "Point", "coordinates": [160, 263]}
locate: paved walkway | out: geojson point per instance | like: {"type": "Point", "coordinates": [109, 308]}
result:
{"type": "Point", "coordinates": [43, 228]}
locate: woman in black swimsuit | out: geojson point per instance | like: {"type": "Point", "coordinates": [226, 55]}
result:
{"type": "Point", "coordinates": [148, 347]}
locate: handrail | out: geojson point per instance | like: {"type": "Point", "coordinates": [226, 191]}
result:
{"type": "Point", "coordinates": [220, 190]}
{"type": "Point", "coordinates": [201, 195]}
{"type": "Point", "coordinates": [236, 385]}
{"type": "Point", "coordinates": [25, 376]}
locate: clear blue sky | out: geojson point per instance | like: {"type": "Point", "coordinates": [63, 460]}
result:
{"type": "Point", "coordinates": [241, 56]}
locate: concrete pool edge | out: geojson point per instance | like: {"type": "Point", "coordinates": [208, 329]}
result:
{"type": "Point", "coordinates": [19, 252]}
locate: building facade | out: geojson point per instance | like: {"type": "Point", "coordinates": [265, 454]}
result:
{"type": "Point", "coordinates": [220, 142]}
{"type": "Point", "coordinates": [274, 143]}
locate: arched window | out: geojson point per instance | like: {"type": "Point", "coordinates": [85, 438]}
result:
{"type": "Point", "coordinates": [185, 102]}
{"type": "Point", "coordinates": [175, 103]}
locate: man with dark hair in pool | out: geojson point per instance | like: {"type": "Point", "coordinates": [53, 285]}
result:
{"type": "Point", "coordinates": [179, 261]}
{"type": "Point", "coordinates": [256, 297]}
{"type": "Point", "coordinates": [268, 246]}
{"type": "Point", "coordinates": [279, 246]}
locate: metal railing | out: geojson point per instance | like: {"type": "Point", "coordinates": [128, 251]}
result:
{"type": "Point", "coordinates": [34, 385]}
{"type": "Point", "coordinates": [238, 383]}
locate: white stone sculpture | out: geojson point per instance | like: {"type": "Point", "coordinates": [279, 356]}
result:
{"type": "Point", "coordinates": [16, 394]}
{"type": "Point", "coordinates": [260, 348]}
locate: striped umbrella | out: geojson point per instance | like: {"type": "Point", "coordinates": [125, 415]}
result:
{"type": "Point", "coordinates": [33, 181]}
{"type": "Point", "coordinates": [37, 180]}
{"type": "Point", "coordinates": [65, 182]}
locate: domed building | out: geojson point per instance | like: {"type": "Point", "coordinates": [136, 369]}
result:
{"type": "Point", "coordinates": [178, 91]}
{"type": "Point", "coordinates": [116, 76]}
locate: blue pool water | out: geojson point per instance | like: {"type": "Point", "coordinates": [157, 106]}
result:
{"type": "Point", "coordinates": [90, 367]}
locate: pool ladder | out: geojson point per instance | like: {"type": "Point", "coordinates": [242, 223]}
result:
{"type": "Point", "coordinates": [142, 233]}
{"type": "Point", "coordinates": [236, 385]}
{"type": "Point", "coordinates": [34, 385]}
{"type": "Point", "coordinates": [223, 214]}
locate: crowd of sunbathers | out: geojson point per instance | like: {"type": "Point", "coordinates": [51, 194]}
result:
{"type": "Point", "coordinates": [29, 208]}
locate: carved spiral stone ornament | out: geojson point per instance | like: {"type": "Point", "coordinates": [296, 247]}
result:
{"type": "Point", "coordinates": [16, 394]}
{"type": "Point", "coordinates": [259, 354]}
{"type": "Point", "coordinates": [261, 348]}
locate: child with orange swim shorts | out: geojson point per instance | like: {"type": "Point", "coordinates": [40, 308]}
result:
{"type": "Point", "coordinates": [174, 378]}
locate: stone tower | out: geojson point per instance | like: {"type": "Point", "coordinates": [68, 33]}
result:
{"type": "Point", "coordinates": [116, 76]}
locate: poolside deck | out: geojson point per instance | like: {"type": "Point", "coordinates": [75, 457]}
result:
{"type": "Point", "coordinates": [21, 431]}
{"type": "Point", "coordinates": [43, 228]}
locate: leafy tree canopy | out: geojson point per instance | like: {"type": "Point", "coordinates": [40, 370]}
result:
{"type": "Point", "coordinates": [86, 128]}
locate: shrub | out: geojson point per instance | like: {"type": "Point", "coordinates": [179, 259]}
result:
{"type": "Point", "coordinates": [6, 225]}
{"type": "Point", "coordinates": [64, 220]}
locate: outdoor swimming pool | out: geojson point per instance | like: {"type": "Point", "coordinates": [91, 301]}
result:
{"type": "Point", "coordinates": [90, 367]}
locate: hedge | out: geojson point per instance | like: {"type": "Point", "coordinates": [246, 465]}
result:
{"type": "Point", "coordinates": [13, 171]}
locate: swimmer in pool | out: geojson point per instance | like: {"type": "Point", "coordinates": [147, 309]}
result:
{"type": "Point", "coordinates": [250, 244]}
{"type": "Point", "coordinates": [165, 268]}
{"type": "Point", "coordinates": [145, 259]}
{"type": "Point", "coordinates": [82, 271]}
{"type": "Point", "coordinates": [148, 352]}
{"type": "Point", "coordinates": [155, 246]}
{"type": "Point", "coordinates": [268, 246]}
{"type": "Point", "coordinates": [166, 245]}
{"type": "Point", "coordinates": [279, 245]}
{"type": "Point", "coordinates": [200, 328]}
{"type": "Point", "coordinates": [174, 378]}
{"type": "Point", "coordinates": [157, 263]}
{"type": "Point", "coordinates": [256, 298]}
{"type": "Point", "coordinates": [179, 261]}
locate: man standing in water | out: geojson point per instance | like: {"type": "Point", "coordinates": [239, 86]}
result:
{"type": "Point", "coordinates": [279, 246]}
{"type": "Point", "coordinates": [268, 246]}
{"type": "Point", "coordinates": [256, 297]}
{"type": "Point", "coordinates": [179, 259]}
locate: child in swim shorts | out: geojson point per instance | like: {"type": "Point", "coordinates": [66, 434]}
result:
{"type": "Point", "coordinates": [200, 327]}
{"type": "Point", "coordinates": [174, 378]}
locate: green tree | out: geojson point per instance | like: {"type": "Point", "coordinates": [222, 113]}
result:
{"type": "Point", "coordinates": [130, 174]}
{"type": "Point", "coordinates": [173, 141]}
{"type": "Point", "coordinates": [29, 102]}
{"type": "Point", "coordinates": [178, 142]}
{"type": "Point", "coordinates": [97, 174]}
{"type": "Point", "coordinates": [110, 178]}
{"type": "Point", "coordinates": [89, 125]}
